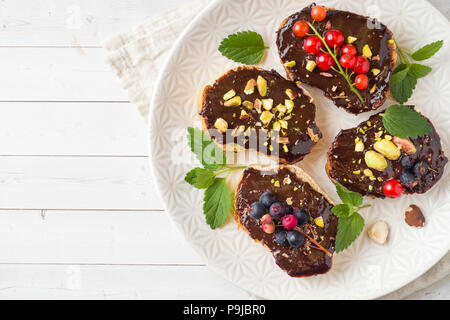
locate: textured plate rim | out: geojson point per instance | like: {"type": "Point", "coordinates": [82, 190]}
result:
{"type": "Point", "coordinates": [425, 267]}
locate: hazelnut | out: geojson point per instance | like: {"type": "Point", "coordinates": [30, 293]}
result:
{"type": "Point", "coordinates": [376, 161]}
{"type": "Point", "coordinates": [233, 102]}
{"type": "Point", "coordinates": [250, 87]}
{"type": "Point", "coordinates": [261, 84]}
{"type": "Point", "coordinates": [221, 125]}
{"type": "Point", "coordinates": [414, 217]}
{"type": "Point", "coordinates": [379, 232]}
{"type": "Point", "coordinates": [406, 145]}
{"type": "Point", "coordinates": [388, 149]}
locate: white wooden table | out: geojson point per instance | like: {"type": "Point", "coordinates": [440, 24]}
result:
{"type": "Point", "coordinates": [79, 212]}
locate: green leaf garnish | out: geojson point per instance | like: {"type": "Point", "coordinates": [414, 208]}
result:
{"type": "Point", "coordinates": [349, 230]}
{"type": "Point", "coordinates": [245, 47]}
{"type": "Point", "coordinates": [403, 122]}
{"type": "Point", "coordinates": [217, 203]}
{"type": "Point", "coordinates": [428, 51]}
{"type": "Point", "coordinates": [207, 152]}
{"type": "Point", "coordinates": [200, 178]}
{"type": "Point", "coordinates": [351, 223]}
{"type": "Point", "coordinates": [404, 78]}
{"type": "Point", "coordinates": [217, 200]}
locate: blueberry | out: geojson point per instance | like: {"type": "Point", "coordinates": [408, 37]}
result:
{"type": "Point", "coordinates": [408, 163]}
{"type": "Point", "coordinates": [281, 238]}
{"type": "Point", "coordinates": [421, 169]}
{"type": "Point", "coordinates": [295, 239]}
{"type": "Point", "coordinates": [277, 210]}
{"type": "Point", "coordinates": [302, 216]}
{"type": "Point", "coordinates": [408, 180]}
{"type": "Point", "coordinates": [257, 210]}
{"type": "Point", "coordinates": [268, 199]}
{"type": "Point", "coordinates": [289, 209]}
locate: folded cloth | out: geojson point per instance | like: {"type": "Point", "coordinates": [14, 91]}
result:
{"type": "Point", "coordinates": [137, 57]}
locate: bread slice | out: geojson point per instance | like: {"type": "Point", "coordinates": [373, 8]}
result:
{"type": "Point", "coordinates": [368, 32]}
{"type": "Point", "coordinates": [299, 190]}
{"type": "Point", "coordinates": [346, 164]}
{"type": "Point", "coordinates": [279, 123]}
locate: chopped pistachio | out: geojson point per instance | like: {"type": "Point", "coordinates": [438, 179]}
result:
{"type": "Point", "coordinates": [285, 148]}
{"type": "Point", "coordinates": [257, 105]}
{"type": "Point", "coordinates": [375, 160]}
{"type": "Point", "coordinates": [230, 94]}
{"type": "Point", "coordinates": [368, 173]}
{"type": "Point", "coordinates": [276, 126]}
{"type": "Point", "coordinates": [376, 71]}
{"type": "Point", "coordinates": [357, 172]}
{"type": "Point", "coordinates": [367, 52]}
{"type": "Point", "coordinates": [281, 108]}
{"type": "Point", "coordinates": [290, 64]}
{"type": "Point", "coordinates": [250, 87]}
{"type": "Point", "coordinates": [233, 102]}
{"type": "Point", "coordinates": [291, 94]}
{"type": "Point", "coordinates": [267, 104]}
{"type": "Point", "coordinates": [284, 124]}
{"type": "Point", "coordinates": [319, 222]}
{"type": "Point", "coordinates": [351, 39]}
{"type": "Point", "coordinates": [391, 41]}
{"type": "Point", "coordinates": [221, 125]}
{"type": "Point", "coordinates": [295, 188]}
{"type": "Point", "coordinates": [248, 104]}
{"type": "Point", "coordinates": [362, 131]}
{"type": "Point", "coordinates": [311, 65]}
{"type": "Point", "coordinates": [266, 117]}
{"type": "Point", "coordinates": [277, 184]}
{"type": "Point", "coordinates": [244, 114]}
{"type": "Point", "coordinates": [359, 146]}
{"type": "Point", "coordinates": [261, 84]}
{"type": "Point", "coordinates": [370, 188]}
{"type": "Point", "coordinates": [373, 89]}
{"type": "Point", "coordinates": [388, 137]}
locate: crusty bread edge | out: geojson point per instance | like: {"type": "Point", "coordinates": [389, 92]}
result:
{"type": "Point", "coordinates": [301, 175]}
{"type": "Point", "coordinates": [392, 50]}
{"type": "Point", "coordinates": [235, 147]}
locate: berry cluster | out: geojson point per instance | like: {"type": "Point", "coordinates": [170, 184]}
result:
{"type": "Point", "coordinates": [334, 39]}
{"type": "Point", "coordinates": [271, 212]}
{"type": "Point", "coordinates": [409, 178]}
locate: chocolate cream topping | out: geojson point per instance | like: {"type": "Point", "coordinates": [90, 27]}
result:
{"type": "Point", "coordinates": [335, 87]}
{"type": "Point", "coordinates": [298, 138]}
{"type": "Point", "coordinates": [344, 161]}
{"type": "Point", "coordinates": [297, 262]}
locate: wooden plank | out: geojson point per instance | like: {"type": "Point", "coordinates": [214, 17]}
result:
{"type": "Point", "coordinates": [114, 282]}
{"type": "Point", "coordinates": [72, 129]}
{"type": "Point", "coordinates": [57, 74]}
{"type": "Point", "coordinates": [72, 22]}
{"type": "Point", "coordinates": [77, 183]}
{"type": "Point", "coordinates": [92, 237]}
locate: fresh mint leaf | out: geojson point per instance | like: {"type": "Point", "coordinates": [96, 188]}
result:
{"type": "Point", "coordinates": [404, 122]}
{"type": "Point", "coordinates": [343, 210]}
{"type": "Point", "coordinates": [217, 203]}
{"type": "Point", "coordinates": [400, 73]}
{"type": "Point", "coordinates": [207, 152]}
{"type": "Point", "coordinates": [245, 47]}
{"type": "Point", "coordinates": [349, 230]}
{"type": "Point", "coordinates": [403, 89]}
{"type": "Point", "coordinates": [428, 51]}
{"type": "Point", "coordinates": [200, 178]}
{"type": "Point", "coordinates": [349, 197]}
{"type": "Point", "coordinates": [418, 70]}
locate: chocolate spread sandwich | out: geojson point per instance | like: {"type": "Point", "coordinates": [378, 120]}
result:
{"type": "Point", "coordinates": [285, 210]}
{"type": "Point", "coordinates": [250, 108]}
{"type": "Point", "coordinates": [366, 159]}
{"type": "Point", "coordinates": [368, 46]}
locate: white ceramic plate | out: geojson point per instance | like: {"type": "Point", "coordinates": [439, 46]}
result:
{"type": "Point", "coordinates": [364, 271]}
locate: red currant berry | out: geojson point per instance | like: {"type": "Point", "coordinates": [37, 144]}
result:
{"type": "Point", "coordinates": [393, 189]}
{"type": "Point", "coordinates": [313, 45]}
{"type": "Point", "coordinates": [362, 81]}
{"type": "Point", "coordinates": [290, 222]}
{"type": "Point", "coordinates": [300, 29]}
{"type": "Point", "coordinates": [362, 65]}
{"type": "Point", "coordinates": [325, 61]}
{"type": "Point", "coordinates": [334, 38]}
{"type": "Point", "coordinates": [319, 13]}
{"type": "Point", "coordinates": [348, 61]}
{"type": "Point", "coordinates": [348, 49]}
